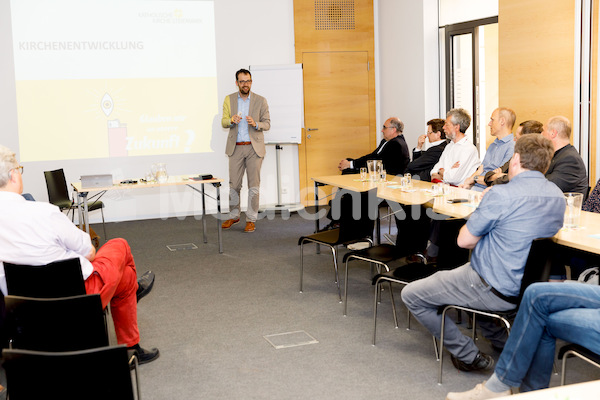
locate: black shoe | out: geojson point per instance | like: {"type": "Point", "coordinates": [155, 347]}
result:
{"type": "Point", "coordinates": [145, 284]}
{"type": "Point", "coordinates": [497, 348]}
{"type": "Point", "coordinates": [144, 356]}
{"type": "Point", "coordinates": [330, 226]}
{"type": "Point", "coordinates": [482, 362]}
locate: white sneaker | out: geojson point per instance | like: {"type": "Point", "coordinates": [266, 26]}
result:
{"type": "Point", "coordinates": [480, 392]}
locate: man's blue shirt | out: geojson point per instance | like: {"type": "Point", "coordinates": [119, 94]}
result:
{"type": "Point", "coordinates": [244, 107]}
{"type": "Point", "coordinates": [508, 219]}
{"type": "Point", "coordinates": [499, 152]}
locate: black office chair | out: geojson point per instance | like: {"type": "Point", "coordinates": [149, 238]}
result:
{"type": "Point", "coordinates": [575, 350]}
{"type": "Point", "coordinates": [537, 269]}
{"type": "Point", "coordinates": [450, 256]}
{"type": "Point", "coordinates": [350, 230]}
{"type": "Point", "coordinates": [57, 279]}
{"type": "Point", "coordinates": [412, 237]}
{"type": "Point", "coordinates": [61, 324]}
{"type": "Point", "coordinates": [92, 374]}
{"type": "Point", "coordinates": [58, 194]}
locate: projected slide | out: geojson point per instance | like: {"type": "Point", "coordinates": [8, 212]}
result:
{"type": "Point", "coordinates": [100, 79]}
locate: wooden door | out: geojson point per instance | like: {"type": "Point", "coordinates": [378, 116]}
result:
{"type": "Point", "coordinates": [336, 107]}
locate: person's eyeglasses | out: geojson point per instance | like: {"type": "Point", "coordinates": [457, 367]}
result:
{"type": "Point", "coordinates": [19, 168]}
{"type": "Point", "coordinates": [244, 82]}
{"type": "Point", "coordinates": [387, 127]}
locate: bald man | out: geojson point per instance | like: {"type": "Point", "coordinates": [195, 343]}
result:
{"type": "Point", "coordinates": [567, 169]}
{"type": "Point", "coordinates": [499, 152]}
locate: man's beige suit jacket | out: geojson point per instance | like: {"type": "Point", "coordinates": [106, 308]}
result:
{"type": "Point", "coordinates": [259, 111]}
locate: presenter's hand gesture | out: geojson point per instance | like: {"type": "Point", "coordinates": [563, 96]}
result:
{"type": "Point", "coordinates": [250, 121]}
{"type": "Point", "coordinates": [236, 119]}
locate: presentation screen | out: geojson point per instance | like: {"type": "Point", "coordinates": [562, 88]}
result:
{"type": "Point", "coordinates": [97, 79]}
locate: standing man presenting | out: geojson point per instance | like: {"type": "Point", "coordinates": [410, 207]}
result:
{"type": "Point", "coordinates": [246, 114]}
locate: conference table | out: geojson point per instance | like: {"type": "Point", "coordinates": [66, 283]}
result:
{"type": "Point", "coordinates": [577, 391]}
{"type": "Point", "coordinates": [419, 193]}
{"type": "Point", "coordinates": [178, 180]}
{"type": "Point", "coordinates": [586, 237]}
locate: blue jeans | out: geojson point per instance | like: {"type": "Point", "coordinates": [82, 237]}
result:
{"type": "Point", "coordinates": [568, 311]}
{"type": "Point", "coordinates": [461, 286]}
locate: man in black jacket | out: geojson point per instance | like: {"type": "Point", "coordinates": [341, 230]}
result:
{"type": "Point", "coordinates": [423, 161]}
{"type": "Point", "coordinates": [567, 169]}
{"type": "Point", "coordinates": [392, 150]}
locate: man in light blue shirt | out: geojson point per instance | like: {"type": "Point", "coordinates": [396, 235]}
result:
{"type": "Point", "coordinates": [499, 232]}
{"type": "Point", "coordinates": [499, 152]}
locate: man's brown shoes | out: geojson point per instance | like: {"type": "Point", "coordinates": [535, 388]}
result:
{"type": "Point", "coordinates": [229, 223]}
{"type": "Point", "coordinates": [250, 227]}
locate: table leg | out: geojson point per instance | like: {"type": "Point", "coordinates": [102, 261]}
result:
{"type": "Point", "coordinates": [317, 213]}
{"type": "Point", "coordinates": [218, 185]}
{"type": "Point", "coordinates": [84, 221]}
{"type": "Point", "coordinates": [378, 228]}
{"type": "Point", "coordinates": [204, 215]}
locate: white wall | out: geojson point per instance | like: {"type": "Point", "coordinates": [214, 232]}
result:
{"type": "Point", "coordinates": [408, 64]}
{"type": "Point", "coordinates": [456, 11]}
{"type": "Point", "coordinates": [262, 33]}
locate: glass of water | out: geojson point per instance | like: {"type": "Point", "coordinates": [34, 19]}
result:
{"type": "Point", "coordinates": [363, 174]}
{"type": "Point", "coordinates": [408, 177]}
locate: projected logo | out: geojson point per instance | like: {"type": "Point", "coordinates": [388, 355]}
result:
{"type": "Point", "coordinates": [117, 132]}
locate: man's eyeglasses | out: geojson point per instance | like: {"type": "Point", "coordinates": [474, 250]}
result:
{"type": "Point", "coordinates": [387, 127]}
{"type": "Point", "coordinates": [244, 82]}
{"type": "Point", "coordinates": [19, 168]}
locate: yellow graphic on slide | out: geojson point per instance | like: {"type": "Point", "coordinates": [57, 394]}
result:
{"type": "Point", "coordinates": [77, 119]}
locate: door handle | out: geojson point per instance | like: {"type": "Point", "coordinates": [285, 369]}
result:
{"type": "Point", "coordinates": [312, 129]}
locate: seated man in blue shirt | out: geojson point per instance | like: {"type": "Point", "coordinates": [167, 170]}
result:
{"type": "Point", "coordinates": [499, 232]}
{"type": "Point", "coordinates": [499, 152]}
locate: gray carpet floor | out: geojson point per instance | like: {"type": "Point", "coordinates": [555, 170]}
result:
{"type": "Point", "coordinates": [208, 314]}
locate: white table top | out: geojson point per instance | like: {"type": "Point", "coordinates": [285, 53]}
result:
{"type": "Point", "coordinates": [172, 181]}
{"type": "Point", "coordinates": [578, 391]}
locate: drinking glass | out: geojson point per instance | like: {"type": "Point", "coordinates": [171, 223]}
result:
{"type": "Point", "coordinates": [363, 174]}
{"type": "Point", "coordinates": [383, 175]}
{"type": "Point", "coordinates": [408, 177]}
{"type": "Point", "coordinates": [573, 209]}
{"type": "Point", "coordinates": [371, 166]}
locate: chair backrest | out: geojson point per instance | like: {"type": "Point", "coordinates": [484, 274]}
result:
{"type": "Point", "coordinates": [450, 255]}
{"type": "Point", "coordinates": [93, 374]}
{"type": "Point", "coordinates": [413, 225]}
{"type": "Point", "coordinates": [58, 279]}
{"type": "Point", "coordinates": [58, 193]}
{"type": "Point", "coordinates": [61, 324]}
{"type": "Point", "coordinates": [539, 263]}
{"type": "Point", "coordinates": [363, 206]}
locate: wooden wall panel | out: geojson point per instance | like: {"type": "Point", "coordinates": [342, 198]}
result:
{"type": "Point", "coordinates": [312, 36]}
{"type": "Point", "coordinates": [536, 57]}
